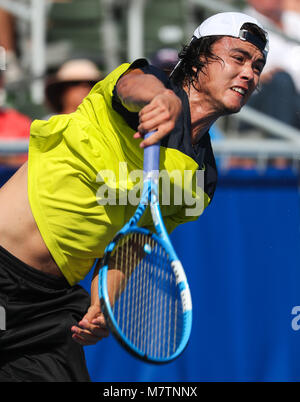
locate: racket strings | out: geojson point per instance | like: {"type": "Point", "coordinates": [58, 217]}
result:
{"type": "Point", "coordinates": [146, 302]}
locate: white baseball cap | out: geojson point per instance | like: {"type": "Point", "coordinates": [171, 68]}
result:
{"type": "Point", "coordinates": [230, 24]}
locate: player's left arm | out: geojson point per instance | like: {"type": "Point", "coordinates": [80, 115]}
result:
{"type": "Point", "coordinates": [92, 328]}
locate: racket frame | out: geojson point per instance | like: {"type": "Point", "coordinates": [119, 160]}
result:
{"type": "Point", "coordinates": [150, 193]}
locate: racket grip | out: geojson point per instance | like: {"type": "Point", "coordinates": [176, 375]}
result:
{"type": "Point", "coordinates": [151, 156]}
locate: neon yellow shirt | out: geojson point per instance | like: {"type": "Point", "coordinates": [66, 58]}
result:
{"type": "Point", "coordinates": [66, 153]}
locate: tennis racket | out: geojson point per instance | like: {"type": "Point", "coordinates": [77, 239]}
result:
{"type": "Point", "coordinates": [143, 290]}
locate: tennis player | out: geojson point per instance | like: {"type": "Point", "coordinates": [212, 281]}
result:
{"type": "Point", "coordinates": [51, 223]}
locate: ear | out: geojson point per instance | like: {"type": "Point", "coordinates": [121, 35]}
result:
{"type": "Point", "coordinates": [196, 77]}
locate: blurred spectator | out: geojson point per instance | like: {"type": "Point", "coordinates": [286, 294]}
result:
{"type": "Point", "coordinates": [279, 95]}
{"type": "Point", "coordinates": [165, 59]}
{"type": "Point", "coordinates": [8, 40]}
{"type": "Point", "coordinates": [291, 18]}
{"type": "Point", "coordinates": [13, 126]}
{"type": "Point", "coordinates": [70, 85]}
{"type": "Point", "coordinates": [13, 70]}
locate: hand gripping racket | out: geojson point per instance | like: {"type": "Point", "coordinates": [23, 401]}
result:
{"type": "Point", "coordinates": [143, 290]}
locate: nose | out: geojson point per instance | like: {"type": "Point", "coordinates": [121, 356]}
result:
{"type": "Point", "coordinates": [247, 73]}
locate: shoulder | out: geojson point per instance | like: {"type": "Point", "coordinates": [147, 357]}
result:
{"type": "Point", "coordinates": [142, 65]}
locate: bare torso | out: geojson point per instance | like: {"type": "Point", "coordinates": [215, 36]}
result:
{"type": "Point", "coordinates": [19, 233]}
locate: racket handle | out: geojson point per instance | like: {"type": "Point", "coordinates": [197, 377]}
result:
{"type": "Point", "coordinates": [151, 156]}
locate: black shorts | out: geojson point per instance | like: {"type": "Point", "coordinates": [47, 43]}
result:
{"type": "Point", "coordinates": [40, 310]}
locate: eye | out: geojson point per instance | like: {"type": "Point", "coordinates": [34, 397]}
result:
{"type": "Point", "coordinates": [238, 58]}
{"type": "Point", "coordinates": [258, 68]}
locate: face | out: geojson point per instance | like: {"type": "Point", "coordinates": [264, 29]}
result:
{"type": "Point", "coordinates": [73, 95]}
{"type": "Point", "coordinates": [225, 86]}
{"type": "Point", "coordinates": [267, 7]}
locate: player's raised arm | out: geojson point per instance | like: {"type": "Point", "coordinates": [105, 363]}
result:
{"type": "Point", "coordinates": [158, 106]}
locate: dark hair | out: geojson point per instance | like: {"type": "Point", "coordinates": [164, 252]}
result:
{"type": "Point", "coordinates": [198, 53]}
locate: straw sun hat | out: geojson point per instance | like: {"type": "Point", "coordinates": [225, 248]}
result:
{"type": "Point", "coordinates": [70, 73]}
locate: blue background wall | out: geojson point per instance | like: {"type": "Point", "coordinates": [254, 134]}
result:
{"type": "Point", "coordinates": [242, 259]}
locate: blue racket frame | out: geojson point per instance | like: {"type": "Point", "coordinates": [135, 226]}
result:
{"type": "Point", "coordinates": [150, 193]}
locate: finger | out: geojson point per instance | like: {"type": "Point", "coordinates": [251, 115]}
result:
{"type": "Point", "coordinates": [158, 135]}
{"type": "Point", "coordinates": [148, 108]}
{"type": "Point", "coordinates": [160, 113]}
{"type": "Point", "coordinates": [78, 339]}
{"type": "Point", "coordinates": [88, 336]}
{"type": "Point", "coordinates": [97, 333]}
{"type": "Point", "coordinates": [137, 135]}
{"type": "Point", "coordinates": [153, 123]}
{"type": "Point", "coordinates": [99, 330]}
{"type": "Point", "coordinates": [153, 109]}
{"type": "Point", "coordinates": [100, 321]}
{"type": "Point", "coordinates": [82, 341]}
{"type": "Point", "coordinates": [85, 323]}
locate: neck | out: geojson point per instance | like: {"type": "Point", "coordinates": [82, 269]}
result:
{"type": "Point", "coordinates": [203, 115]}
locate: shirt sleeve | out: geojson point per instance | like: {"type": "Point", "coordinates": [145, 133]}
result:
{"type": "Point", "coordinates": [132, 118]}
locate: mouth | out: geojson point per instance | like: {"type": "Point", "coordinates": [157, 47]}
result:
{"type": "Point", "coordinates": [240, 91]}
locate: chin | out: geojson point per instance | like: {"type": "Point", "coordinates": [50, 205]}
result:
{"type": "Point", "coordinates": [232, 109]}
{"type": "Point", "coordinates": [237, 109]}
{"type": "Point", "coordinates": [231, 106]}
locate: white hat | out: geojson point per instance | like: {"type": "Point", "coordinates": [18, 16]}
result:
{"type": "Point", "coordinates": [75, 70]}
{"type": "Point", "coordinates": [230, 24]}
{"type": "Point", "coordinates": [78, 70]}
